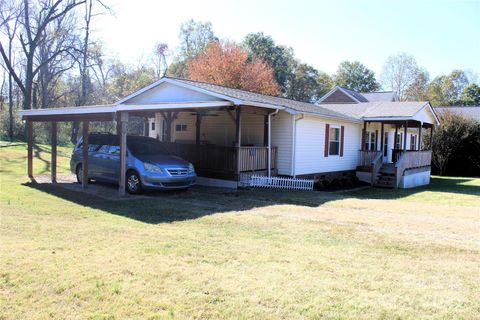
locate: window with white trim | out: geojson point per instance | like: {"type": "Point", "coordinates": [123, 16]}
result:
{"type": "Point", "coordinates": [334, 141]}
{"type": "Point", "coordinates": [370, 141]}
{"type": "Point", "coordinates": [413, 142]}
{"type": "Point", "coordinates": [180, 127]}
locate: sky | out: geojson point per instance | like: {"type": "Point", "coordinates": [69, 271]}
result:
{"type": "Point", "coordinates": [441, 35]}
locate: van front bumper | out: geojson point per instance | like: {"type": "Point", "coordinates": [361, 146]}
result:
{"type": "Point", "coordinates": [162, 182]}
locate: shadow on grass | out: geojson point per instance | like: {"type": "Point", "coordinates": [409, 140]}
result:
{"type": "Point", "coordinates": [170, 206]}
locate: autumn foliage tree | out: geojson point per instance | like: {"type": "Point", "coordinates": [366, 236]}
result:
{"type": "Point", "coordinates": [228, 65]}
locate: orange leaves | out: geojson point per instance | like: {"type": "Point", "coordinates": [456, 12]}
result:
{"type": "Point", "coordinates": [227, 64]}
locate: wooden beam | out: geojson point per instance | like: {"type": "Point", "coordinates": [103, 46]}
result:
{"type": "Point", "coordinates": [395, 138]}
{"type": "Point", "coordinates": [382, 137]}
{"type": "Point", "coordinates": [85, 154]}
{"type": "Point", "coordinates": [30, 149]}
{"type": "Point", "coordinates": [238, 129]}
{"type": "Point", "coordinates": [265, 130]}
{"type": "Point", "coordinates": [255, 110]}
{"type": "Point", "coordinates": [405, 136]}
{"type": "Point", "coordinates": [123, 152]}
{"type": "Point", "coordinates": [420, 139]}
{"type": "Point", "coordinates": [54, 152]}
{"type": "Point", "coordinates": [198, 124]}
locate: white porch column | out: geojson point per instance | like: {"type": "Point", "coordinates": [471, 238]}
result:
{"type": "Point", "coordinates": [123, 118]}
{"type": "Point", "coordinates": [269, 146]}
{"type": "Point", "coordinates": [420, 139]}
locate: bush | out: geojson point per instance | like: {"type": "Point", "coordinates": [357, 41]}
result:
{"type": "Point", "coordinates": [456, 146]}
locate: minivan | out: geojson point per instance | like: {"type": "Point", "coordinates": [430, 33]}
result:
{"type": "Point", "coordinates": [149, 166]}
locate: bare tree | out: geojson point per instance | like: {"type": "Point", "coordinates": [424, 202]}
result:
{"type": "Point", "coordinates": [10, 12]}
{"type": "Point", "coordinates": [34, 20]}
{"type": "Point", "coordinates": [160, 59]}
{"type": "Point", "coordinates": [84, 57]}
{"type": "Point", "coordinates": [399, 72]}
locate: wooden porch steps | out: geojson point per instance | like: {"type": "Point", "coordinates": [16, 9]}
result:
{"type": "Point", "coordinates": [386, 177]}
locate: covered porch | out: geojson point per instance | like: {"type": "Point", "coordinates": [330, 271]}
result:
{"type": "Point", "coordinates": [392, 148]}
{"type": "Point", "coordinates": [210, 160]}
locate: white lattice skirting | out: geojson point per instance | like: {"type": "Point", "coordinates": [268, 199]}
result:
{"type": "Point", "coordinates": [280, 183]}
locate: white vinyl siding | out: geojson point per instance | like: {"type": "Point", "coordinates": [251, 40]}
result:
{"type": "Point", "coordinates": [282, 138]}
{"type": "Point", "coordinates": [310, 144]}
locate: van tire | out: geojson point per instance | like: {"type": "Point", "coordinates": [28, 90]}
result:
{"type": "Point", "coordinates": [133, 183]}
{"type": "Point", "coordinates": [79, 174]}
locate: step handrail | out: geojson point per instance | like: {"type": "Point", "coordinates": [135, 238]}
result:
{"type": "Point", "coordinates": [376, 165]}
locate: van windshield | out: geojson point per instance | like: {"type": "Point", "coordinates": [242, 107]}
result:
{"type": "Point", "coordinates": [145, 147]}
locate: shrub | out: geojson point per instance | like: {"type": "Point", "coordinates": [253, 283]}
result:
{"type": "Point", "coordinates": [456, 146]}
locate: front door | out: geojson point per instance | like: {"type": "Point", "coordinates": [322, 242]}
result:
{"type": "Point", "coordinates": [385, 147]}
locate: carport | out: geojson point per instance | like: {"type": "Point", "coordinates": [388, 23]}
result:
{"type": "Point", "coordinates": [121, 113]}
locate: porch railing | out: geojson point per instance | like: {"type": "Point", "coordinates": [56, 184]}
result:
{"type": "Point", "coordinates": [411, 160]}
{"type": "Point", "coordinates": [367, 157]}
{"type": "Point", "coordinates": [256, 158]}
{"type": "Point", "coordinates": [222, 159]}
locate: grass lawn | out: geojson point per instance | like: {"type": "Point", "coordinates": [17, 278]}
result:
{"type": "Point", "coordinates": [209, 253]}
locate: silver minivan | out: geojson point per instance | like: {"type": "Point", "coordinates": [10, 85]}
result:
{"type": "Point", "coordinates": [149, 166]}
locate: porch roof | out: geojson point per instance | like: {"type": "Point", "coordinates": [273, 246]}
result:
{"type": "Point", "coordinates": [383, 110]}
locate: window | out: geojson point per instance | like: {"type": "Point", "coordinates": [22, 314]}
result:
{"type": "Point", "coordinates": [398, 142]}
{"type": "Point", "coordinates": [413, 142]}
{"type": "Point", "coordinates": [370, 141]}
{"type": "Point", "coordinates": [334, 143]}
{"type": "Point", "coordinates": [153, 126]}
{"type": "Point", "coordinates": [181, 127]}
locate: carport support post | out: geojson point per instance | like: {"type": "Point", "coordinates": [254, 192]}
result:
{"type": "Point", "coordinates": [86, 123]}
{"type": "Point", "coordinates": [123, 152]}
{"type": "Point", "coordinates": [54, 152]}
{"type": "Point", "coordinates": [198, 124]}
{"type": "Point", "coordinates": [30, 149]}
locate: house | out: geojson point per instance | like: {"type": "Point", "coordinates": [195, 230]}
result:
{"type": "Point", "coordinates": [471, 112]}
{"type": "Point", "coordinates": [227, 133]}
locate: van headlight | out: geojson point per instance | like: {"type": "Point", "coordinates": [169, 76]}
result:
{"type": "Point", "coordinates": [191, 168]}
{"type": "Point", "coordinates": [152, 168]}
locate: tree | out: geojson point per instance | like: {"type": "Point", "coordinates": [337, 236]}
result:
{"type": "Point", "coordinates": [470, 95]}
{"type": "Point", "coordinates": [227, 64]}
{"type": "Point", "coordinates": [34, 20]}
{"type": "Point", "coordinates": [399, 72]}
{"type": "Point", "coordinates": [280, 58]}
{"type": "Point", "coordinates": [10, 12]}
{"type": "Point", "coordinates": [417, 90]}
{"type": "Point", "coordinates": [456, 146]}
{"type": "Point", "coordinates": [355, 76]}
{"type": "Point", "coordinates": [194, 38]}
{"type": "Point", "coordinates": [307, 84]}
{"type": "Point", "coordinates": [446, 89]}
{"type": "Point", "coordinates": [160, 59]}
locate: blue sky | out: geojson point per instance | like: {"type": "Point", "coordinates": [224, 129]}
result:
{"type": "Point", "coordinates": [442, 35]}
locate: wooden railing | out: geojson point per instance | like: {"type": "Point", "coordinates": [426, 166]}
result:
{"type": "Point", "coordinates": [256, 158]}
{"type": "Point", "coordinates": [221, 159]}
{"type": "Point", "coordinates": [376, 165]}
{"type": "Point", "coordinates": [367, 157]}
{"type": "Point", "coordinates": [410, 160]}
{"type": "Point", "coordinates": [396, 153]}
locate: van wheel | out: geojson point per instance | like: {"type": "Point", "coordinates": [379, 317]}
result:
{"type": "Point", "coordinates": [133, 183]}
{"type": "Point", "coordinates": [79, 174]}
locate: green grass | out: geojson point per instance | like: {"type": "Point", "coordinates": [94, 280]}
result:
{"type": "Point", "coordinates": [203, 253]}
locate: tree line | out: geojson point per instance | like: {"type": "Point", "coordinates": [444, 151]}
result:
{"type": "Point", "coordinates": [50, 57]}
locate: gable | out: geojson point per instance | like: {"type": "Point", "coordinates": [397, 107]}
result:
{"type": "Point", "coordinates": [167, 92]}
{"type": "Point", "coordinates": [338, 96]}
{"type": "Point", "coordinates": [425, 115]}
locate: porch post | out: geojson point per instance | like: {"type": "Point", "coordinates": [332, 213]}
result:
{"type": "Point", "coordinates": [364, 134]}
{"type": "Point", "coordinates": [420, 140]}
{"type": "Point", "coordinates": [123, 117]}
{"type": "Point", "coordinates": [382, 136]}
{"type": "Point", "coordinates": [266, 133]}
{"type": "Point", "coordinates": [395, 139]}
{"type": "Point", "coordinates": [30, 149]}
{"type": "Point", "coordinates": [431, 136]}
{"type": "Point", "coordinates": [269, 147]}
{"type": "Point", "coordinates": [238, 135]}
{"type": "Point", "coordinates": [197, 127]}
{"type": "Point", "coordinates": [405, 137]}
{"type": "Point", "coordinates": [85, 153]}
{"type": "Point", "coordinates": [146, 127]}
{"type": "Point", "coordinates": [54, 152]}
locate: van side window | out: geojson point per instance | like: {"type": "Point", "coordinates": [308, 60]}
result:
{"type": "Point", "coordinates": [114, 150]}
